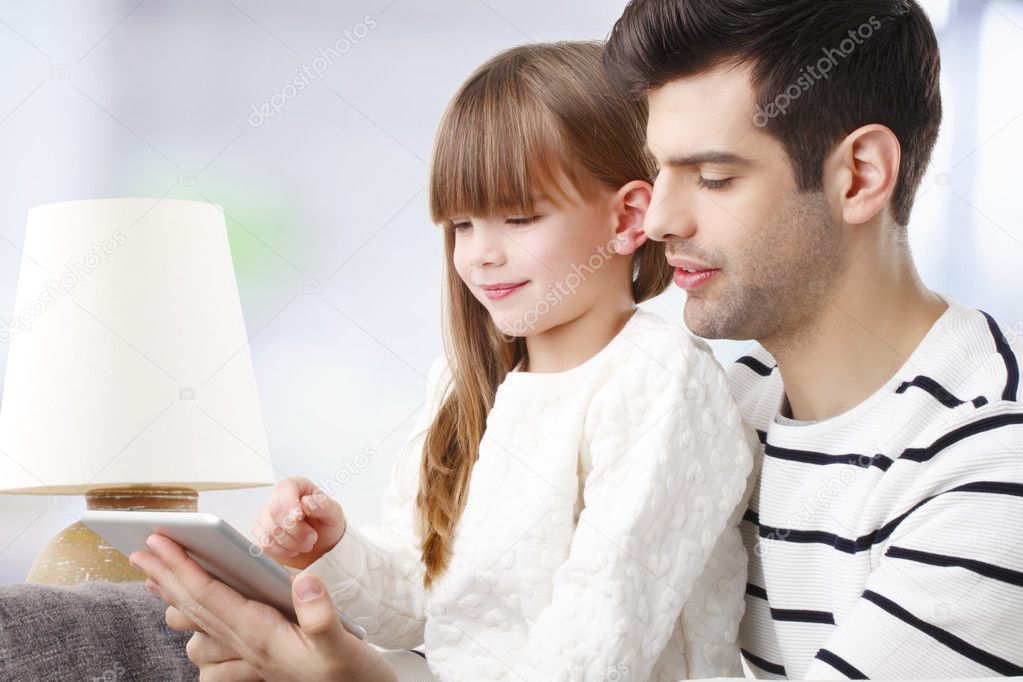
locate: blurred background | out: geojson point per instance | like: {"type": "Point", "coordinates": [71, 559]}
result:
{"type": "Point", "coordinates": [338, 266]}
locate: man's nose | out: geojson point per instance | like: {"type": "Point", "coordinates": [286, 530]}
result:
{"type": "Point", "coordinates": [670, 215]}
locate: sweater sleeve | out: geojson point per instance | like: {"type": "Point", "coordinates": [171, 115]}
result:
{"type": "Point", "coordinates": [714, 609]}
{"type": "Point", "coordinates": [670, 458]}
{"type": "Point", "coordinates": [375, 573]}
{"type": "Point", "coordinates": [758, 640]}
{"type": "Point", "coordinates": [946, 589]}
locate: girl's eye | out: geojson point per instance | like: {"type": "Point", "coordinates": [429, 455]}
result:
{"type": "Point", "coordinates": [529, 220]}
{"type": "Point", "coordinates": [459, 227]}
{"type": "Point", "coordinates": [706, 183]}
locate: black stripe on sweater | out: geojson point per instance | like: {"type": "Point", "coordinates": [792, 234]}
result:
{"type": "Point", "coordinates": [755, 365]}
{"type": "Point", "coordinates": [938, 392]}
{"type": "Point", "coordinates": [840, 664]}
{"type": "Point", "coordinates": [883, 462]}
{"type": "Point", "coordinates": [821, 459]}
{"type": "Point", "coordinates": [763, 664]}
{"type": "Point", "coordinates": [803, 616]}
{"type": "Point", "coordinates": [818, 537]}
{"type": "Point", "coordinates": [1011, 364]}
{"type": "Point", "coordinates": [865, 542]}
{"type": "Point", "coordinates": [756, 591]}
{"type": "Point", "coordinates": [1005, 575]}
{"type": "Point", "coordinates": [962, 433]}
{"type": "Point", "coordinates": [960, 646]}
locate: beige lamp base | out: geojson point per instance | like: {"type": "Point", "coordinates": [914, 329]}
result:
{"type": "Point", "coordinates": [77, 554]}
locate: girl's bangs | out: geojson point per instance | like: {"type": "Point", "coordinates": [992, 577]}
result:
{"type": "Point", "coordinates": [496, 152]}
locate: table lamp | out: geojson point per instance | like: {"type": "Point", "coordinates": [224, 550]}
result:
{"type": "Point", "coordinates": [128, 378]}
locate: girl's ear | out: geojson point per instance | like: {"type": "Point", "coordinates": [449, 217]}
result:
{"type": "Point", "coordinates": [631, 204]}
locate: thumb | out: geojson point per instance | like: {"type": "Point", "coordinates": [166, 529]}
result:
{"type": "Point", "coordinates": [315, 610]}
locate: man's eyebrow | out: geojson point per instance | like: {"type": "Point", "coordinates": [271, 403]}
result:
{"type": "Point", "coordinates": [708, 157]}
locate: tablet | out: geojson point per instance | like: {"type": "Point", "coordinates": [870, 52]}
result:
{"type": "Point", "coordinates": [215, 545]}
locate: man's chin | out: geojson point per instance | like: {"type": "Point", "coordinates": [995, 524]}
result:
{"type": "Point", "coordinates": [710, 321]}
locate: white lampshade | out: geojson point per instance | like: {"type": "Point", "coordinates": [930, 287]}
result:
{"type": "Point", "coordinates": [129, 363]}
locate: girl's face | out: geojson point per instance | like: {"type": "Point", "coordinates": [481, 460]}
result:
{"type": "Point", "coordinates": [535, 272]}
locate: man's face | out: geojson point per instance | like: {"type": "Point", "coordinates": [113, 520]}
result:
{"type": "Point", "coordinates": [756, 256]}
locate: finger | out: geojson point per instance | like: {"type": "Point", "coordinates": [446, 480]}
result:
{"type": "Point", "coordinates": [179, 621]}
{"type": "Point", "coordinates": [153, 588]}
{"type": "Point", "coordinates": [322, 507]}
{"type": "Point", "coordinates": [284, 501]}
{"type": "Point", "coordinates": [275, 537]}
{"type": "Point", "coordinates": [220, 611]}
{"type": "Point", "coordinates": [317, 616]}
{"type": "Point", "coordinates": [287, 513]}
{"type": "Point", "coordinates": [167, 585]}
{"type": "Point", "coordinates": [188, 587]}
{"type": "Point", "coordinates": [202, 649]}
{"type": "Point", "coordinates": [297, 534]}
{"type": "Point", "coordinates": [229, 671]}
{"type": "Point", "coordinates": [261, 532]}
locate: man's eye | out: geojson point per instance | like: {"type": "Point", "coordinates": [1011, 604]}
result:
{"type": "Point", "coordinates": [528, 220]}
{"type": "Point", "coordinates": [706, 183]}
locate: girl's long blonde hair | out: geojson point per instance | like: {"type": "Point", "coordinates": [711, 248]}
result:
{"type": "Point", "coordinates": [519, 122]}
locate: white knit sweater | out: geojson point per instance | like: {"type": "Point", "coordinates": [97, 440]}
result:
{"type": "Point", "coordinates": [599, 540]}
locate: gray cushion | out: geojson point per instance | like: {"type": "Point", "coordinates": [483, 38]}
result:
{"type": "Point", "coordinates": [93, 631]}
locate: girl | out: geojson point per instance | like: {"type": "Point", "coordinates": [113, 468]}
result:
{"type": "Point", "coordinates": [566, 508]}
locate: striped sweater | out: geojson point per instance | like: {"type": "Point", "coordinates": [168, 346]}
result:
{"type": "Point", "coordinates": [887, 542]}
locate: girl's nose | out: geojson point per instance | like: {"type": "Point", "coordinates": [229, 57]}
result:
{"type": "Point", "coordinates": [487, 247]}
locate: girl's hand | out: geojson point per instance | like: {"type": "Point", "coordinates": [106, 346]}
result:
{"type": "Point", "coordinates": [299, 524]}
{"type": "Point", "coordinates": [253, 640]}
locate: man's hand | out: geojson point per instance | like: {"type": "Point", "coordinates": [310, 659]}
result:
{"type": "Point", "coordinates": [214, 660]}
{"type": "Point", "coordinates": [253, 640]}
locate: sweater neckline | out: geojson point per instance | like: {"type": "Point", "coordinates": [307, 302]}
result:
{"type": "Point", "coordinates": [517, 377]}
{"type": "Point", "coordinates": [804, 429]}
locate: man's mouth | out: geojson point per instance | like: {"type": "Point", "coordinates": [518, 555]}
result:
{"type": "Point", "coordinates": [691, 275]}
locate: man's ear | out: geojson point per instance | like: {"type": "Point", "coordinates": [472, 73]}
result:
{"type": "Point", "coordinates": [630, 206]}
{"type": "Point", "coordinates": [862, 172]}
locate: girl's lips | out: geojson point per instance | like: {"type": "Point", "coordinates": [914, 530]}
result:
{"type": "Point", "coordinates": [691, 281]}
{"type": "Point", "coordinates": [496, 292]}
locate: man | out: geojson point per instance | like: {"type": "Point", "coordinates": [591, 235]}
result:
{"type": "Point", "coordinates": [885, 534]}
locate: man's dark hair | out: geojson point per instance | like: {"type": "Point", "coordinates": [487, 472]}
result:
{"type": "Point", "coordinates": [820, 70]}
